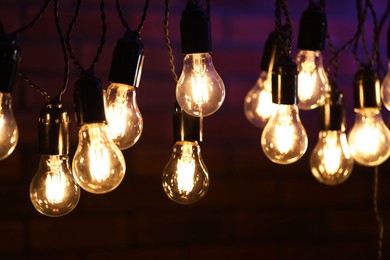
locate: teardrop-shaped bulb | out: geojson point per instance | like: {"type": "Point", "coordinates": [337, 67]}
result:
{"type": "Point", "coordinates": [53, 190]}
{"type": "Point", "coordinates": [185, 178]}
{"type": "Point", "coordinates": [123, 116]}
{"type": "Point", "coordinates": [312, 80]}
{"type": "Point", "coordinates": [284, 139]}
{"type": "Point", "coordinates": [385, 89]}
{"type": "Point", "coordinates": [258, 106]}
{"type": "Point", "coordinates": [331, 162]}
{"type": "Point", "coordinates": [9, 133]}
{"type": "Point", "coordinates": [200, 90]}
{"type": "Point", "coordinates": [98, 164]}
{"type": "Point", "coordinates": [369, 138]}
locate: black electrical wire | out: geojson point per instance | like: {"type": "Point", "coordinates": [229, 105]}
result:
{"type": "Point", "coordinates": [34, 86]}
{"type": "Point", "coordinates": [124, 22]}
{"type": "Point", "coordinates": [168, 41]}
{"type": "Point", "coordinates": [281, 5]}
{"type": "Point", "coordinates": [381, 23]}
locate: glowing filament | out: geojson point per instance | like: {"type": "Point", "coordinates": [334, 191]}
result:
{"type": "Point", "coordinates": [186, 170]}
{"type": "Point", "coordinates": [199, 82]}
{"type": "Point", "coordinates": [55, 183]}
{"type": "Point", "coordinates": [368, 140]}
{"type": "Point", "coordinates": [284, 137]}
{"type": "Point", "coordinates": [99, 164]}
{"type": "Point", "coordinates": [332, 158]}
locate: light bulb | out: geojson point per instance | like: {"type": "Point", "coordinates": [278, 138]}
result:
{"type": "Point", "coordinates": [9, 133]}
{"type": "Point", "coordinates": [284, 139]}
{"type": "Point", "coordinates": [258, 106]}
{"type": "Point", "coordinates": [369, 138]}
{"type": "Point", "coordinates": [98, 164]}
{"type": "Point", "coordinates": [331, 162]}
{"type": "Point", "coordinates": [185, 178]}
{"type": "Point", "coordinates": [200, 90]}
{"type": "Point", "coordinates": [312, 80]}
{"type": "Point", "coordinates": [53, 190]}
{"type": "Point", "coordinates": [385, 89]}
{"type": "Point", "coordinates": [123, 116]}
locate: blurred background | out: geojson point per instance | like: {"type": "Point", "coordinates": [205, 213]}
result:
{"type": "Point", "coordinates": [254, 209]}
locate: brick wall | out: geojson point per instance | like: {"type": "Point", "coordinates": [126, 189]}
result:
{"type": "Point", "coordinates": [254, 209]}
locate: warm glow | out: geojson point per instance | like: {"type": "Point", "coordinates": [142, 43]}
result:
{"type": "Point", "coordinates": [55, 188]}
{"type": "Point", "coordinates": [186, 170]}
{"type": "Point", "coordinates": [265, 107]}
{"type": "Point", "coordinates": [199, 81]}
{"type": "Point", "coordinates": [99, 164]}
{"type": "Point", "coordinates": [306, 84]}
{"type": "Point", "coordinates": [332, 158]}
{"type": "Point", "coordinates": [116, 112]}
{"type": "Point", "coordinates": [284, 137]}
{"type": "Point", "coordinates": [367, 145]}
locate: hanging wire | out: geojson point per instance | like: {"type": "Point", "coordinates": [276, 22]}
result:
{"type": "Point", "coordinates": [34, 86]}
{"type": "Point", "coordinates": [381, 23]}
{"type": "Point", "coordinates": [124, 22]}
{"type": "Point", "coordinates": [63, 46]}
{"type": "Point", "coordinates": [102, 38]}
{"type": "Point", "coordinates": [168, 41]}
{"type": "Point", "coordinates": [281, 5]}
{"type": "Point", "coordinates": [377, 214]}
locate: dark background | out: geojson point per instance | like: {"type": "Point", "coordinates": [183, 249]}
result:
{"type": "Point", "coordinates": [254, 209]}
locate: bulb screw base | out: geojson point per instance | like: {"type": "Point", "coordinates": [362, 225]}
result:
{"type": "Point", "coordinates": [186, 127]}
{"type": "Point", "coordinates": [9, 62]}
{"type": "Point", "coordinates": [195, 30]}
{"type": "Point", "coordinates": [332, 113]}
{"type": "Point", "coordinates": [366, 87]}
{"type": "Point", "coordinates": [53, 125]}
{"type": "Point", "coordinates": [88, 99]}
{"type": "Point", "coordinates": [312, 29]}
{"type": "Point", "coordinates": [127, 60]}
{"type": "Point", "coordinates": [284, 81]}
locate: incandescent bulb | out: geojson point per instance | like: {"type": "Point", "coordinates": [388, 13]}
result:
{"type": "Point", "coordinates": [369, 137]}
{"type": "Point", "coordinates": [331, 162]}
{"type": "Point", "coordinates": [312, 80]}
{"type": "Point", "coordinates": [258, 106]}
{"type": "Point", "coordinates": [385, 89]}
{"type": "Point", "coordinates": [123, 116]}
{"type": "Point", "coordinates": [284, 139]}
{"type": "Point", "coordinates": [9, 133]}
{"type": "Point", "coordinates": [98, 164]}
{"type": "Point", "coordinates": [53, 190]}
{"type": "Point", "coordinates": [185, 178]}
{"type": "Point", "coordinates": [200, 90]}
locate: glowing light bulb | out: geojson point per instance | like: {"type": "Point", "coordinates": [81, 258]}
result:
{"type": "Point", "coordinates": [98, 164]}
{"type": "Point", "coordinates": [185, 177]}
{"type": "Point", "coordinates": [312, 80]}
{"type": "Point", "coordinates": [284, 139]}
{"type": "Point", "coordinates": [385, 89]}
{"type": "Point", "coordinates": [200, 90]}
{"type": "Point", "coordinates": [369, 138]}
{"type": "Point", "coordinates": [258, 106]}
{"type": "Point", "coordinates": [123, 116]}
{"type": "Point", "coordinates": [331, 162]}
{"type": "Point", "coordinates": [53, 190]}
{"type": "Point", "coordinates": [9, 133]}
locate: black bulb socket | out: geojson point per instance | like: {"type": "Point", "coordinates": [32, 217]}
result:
{"type": "Point", "coordinates": [195, 30]}
{"type": "Point", "coordinates": [366, 87]}
{"type": "Point", "coordinates": [9, 62]}
{"type": "Point", "coordinates": [186, 127]}
{"type": "Point", "coordinates": [127, 60]}
{"type": "Point", "coordinates": [53, 129]}
{"type": "Point", "coordinates": [284, 81]}
{"type": "Point", "coordinates": [272, 50]}
{"type": "Point", "coordinates": [88, 99]}
{"type": "Point", "coordinates": [312, 29]}
{"type": "Point", "coordinates": [332, 113]}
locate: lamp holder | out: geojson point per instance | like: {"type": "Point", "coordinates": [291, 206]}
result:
{"type": "Point", "coordinates": [312, 28]}
{"type": "Point", "coordinates": [127, 60]}
{"type": "Point", "coordinates": [366, 86]}
{"type": "Point", "coordinates": [88, 99]}
{"type": "Point", "coordinates": [186, 127]}
{"type": "Point", "coordinates": [195, 30]}
{"type": "Point", "coordinates": [53, 125]}
{"type": "Point", "coordinates": [9, 62]}
{"type": "Point", "coordinates": [284, 81]}
{"type": "Point", "coordinates": [272, 50]}
{"type": "Point", "coordinates": [332, 113]}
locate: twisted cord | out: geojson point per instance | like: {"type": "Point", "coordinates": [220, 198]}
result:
{"type": "Point", "coordinates": [168, 41]}
{"type": "Point", "coordinates": [102, 38]}
{"type": "Point", "coordinates": [63, 46]}
{"type": "Point", "coordinates": [375, 48]}
{"type": "Point", "coordinates": [381, 23]}
{"type": "Point", "coordinates": [124, 22]}
{"type": "Point", "coordinates": [281, 5]}
{"type": "Point", "coordinates": [377, 214]}
{"type": "Point", "coordinates": [68, 35]}
{"type": "Point", "coordinates": [34, 20]}
{"type": "Point", "coordinates": [34, 86]}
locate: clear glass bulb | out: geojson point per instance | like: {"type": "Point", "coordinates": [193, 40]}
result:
{"type": "Point", "coordinates": [200, 90]}
{"type": "Point", "coordinates": [258, 106]}
{"type": "Point", "coordinates": [185, 178]}
{"type": "Point", "coordinates": [385, 89]}
{"type": "Point", "coordinates": [53, 190]}
{"type": "Point", "coordinates": [331, 162]}
{"type": "Point", "coordinates": [312, 80]}
{"type": "Point", "coordinates": [9, 133]}
{"type": "Point", "coordinates": [284, 139]}
{"type": "Point", "coordinates": [369, 138]}
{"type": "Point", "coordinates": [98, 164]}
{"type": "Point", "coordinates": [123, 116]}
